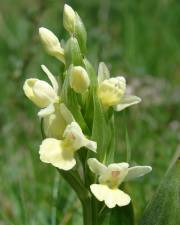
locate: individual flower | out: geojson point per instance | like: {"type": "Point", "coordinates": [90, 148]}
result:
{"type": "Point", "coordinates": [79, 79]}
{"type": "Point", "coordinates": [42, 93]}
{"type": "Point", "coordinates": [111, 91]}
{"type": "Point", "coordinates": [60, 153]}
{"type": "Point", "coordinates": [110, 178]}
{"type": "Point", "coordinates": [51, 43]}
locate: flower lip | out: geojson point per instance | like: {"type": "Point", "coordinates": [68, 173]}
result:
{"type": "Point", "coordinates": [51, 151]}
{"type": "Point", "coordinates": [111, 197]}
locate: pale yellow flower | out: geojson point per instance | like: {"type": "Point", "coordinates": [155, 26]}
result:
{"type": "Point", "coordinates": [42, 93]}
{"type": "Point", "coordinates": [111, 91]}
{"type": "Point", "coordinates": [60, 153]}
{"type": "Point", "coordinates": [79, 79]}
{"type": "Point", "coordinates": [55, 123]}
{"type": "Point", "coordinates": [110, 178]}
{"type": "Point", "coordinates": [69, 18]}
{"type": "Point", "coordinates": [51, 43]}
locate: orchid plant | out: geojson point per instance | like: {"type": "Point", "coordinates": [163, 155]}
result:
{"type": "Point", "coordinates": [77, 117]}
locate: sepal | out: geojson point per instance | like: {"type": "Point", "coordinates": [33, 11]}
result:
{"type": "Point", "coordinates": [80, 33]}
{"type": "Point", "coordinates": [72, 52]}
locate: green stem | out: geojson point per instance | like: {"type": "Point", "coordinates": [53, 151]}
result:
{"type": "Point", "coordinates": [94, 211]}
{"type": "Point", "coordinates": [72, 177]}
{"type": "Point", "coordinates": [87, 212]}
{"type": "Point", "coordinates": [89, 203]}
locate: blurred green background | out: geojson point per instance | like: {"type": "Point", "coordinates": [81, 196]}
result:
{"type": "Point", "coordinates": [137, 38]}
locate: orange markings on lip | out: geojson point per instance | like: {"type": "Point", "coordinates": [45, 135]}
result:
{"type": "Point", "coordinates": [72, 136]}
{"type": "Point", "coordinates": [115, 173]}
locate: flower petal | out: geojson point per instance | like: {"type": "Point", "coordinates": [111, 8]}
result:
{"type": "Point", "coordinates": [75, 139]}
{"type": "Point", "coordinates": [51, 78]}
{"type": "Point", "coordinates": [44, 93]}
{"type": "Point", "coordinates": [127, 101]}
{"type": "Point", "coordinates": [66, 113]}
{"type": "Point", "coordinates": [137, 171]}
{"type": "Point", "coordinates": [54, 124]}
{"type": "Point", "coordinates": [92, 145]}
{"type": "Point", "coordinates": [103, 72]}
{"type": "Point", "coordinates": [100, 191]}
{"type": "Point", "coordinates": [119, 166]}
{"type": "Point", "coordinates": [28, 90]}
{"type": "Point", "coordinates": [52, 151]}
{"type": "Point", "coordinates": [116, 197]}
{"type": "Point", "coordinates": [95, 166]}
{"type": "Point", "coordinates": [112, 197]}
{"type": "Point", "coordinates": [46, 111]}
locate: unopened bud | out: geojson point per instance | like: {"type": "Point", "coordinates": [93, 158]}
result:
{"type": "Point", "coordinates": [69, 18]}
{"type": "Point", "coordinates": [39, 92]}
{"type": "Point", "coordinates": [79, 79]}
{"type": "Point", "coordinates": [51, 43]}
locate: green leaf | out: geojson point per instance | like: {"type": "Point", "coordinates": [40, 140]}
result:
{"type": "Point", "coordinates": [117, 216]}
{"type": "Point", "coordinates": [42, 129]}
{"type": "Point", "coordinates": [164, 208]}
{"type": "Point", "coordinates": [101, 132]}
{"type": "Point", "coordinates": [91, 72]}
{"type": "Point", "coordinates": [122, 215]}
{"type": "Point", "coordinates": [88, 102]}
{"type": "Point", "coordinates": [112, 144]}
{"type": "Point", "coordinates": [128, 147]}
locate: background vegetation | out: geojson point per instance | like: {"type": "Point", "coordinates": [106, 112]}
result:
{"type": "Point", "coordinates": [138, 38]}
